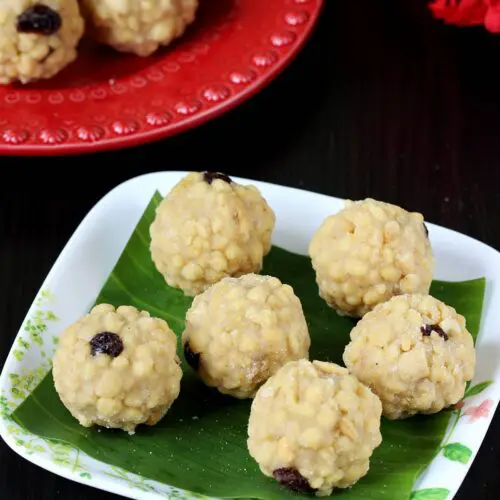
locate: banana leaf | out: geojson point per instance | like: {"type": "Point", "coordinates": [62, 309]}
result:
{"type": "Point", "coordinates": [200, 445]}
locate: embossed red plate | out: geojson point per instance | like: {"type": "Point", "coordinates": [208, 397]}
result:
{"type": "Point", "coordinates": [106, 100]}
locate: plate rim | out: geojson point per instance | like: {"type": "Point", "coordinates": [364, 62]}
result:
{"type": "Point", "coordinates": [114, 486]}
{"type": "Point", "coordinates": [145, 137]}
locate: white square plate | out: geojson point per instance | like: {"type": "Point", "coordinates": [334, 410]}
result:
{"type": "Point", "coordinates": [90, 256]}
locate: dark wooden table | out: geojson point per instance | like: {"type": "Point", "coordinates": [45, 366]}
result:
{"type": "Point", "coordinates": [383, 102]}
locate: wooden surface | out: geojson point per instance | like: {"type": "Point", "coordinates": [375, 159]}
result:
{"type": "Point", "coordinates": [383, 102]}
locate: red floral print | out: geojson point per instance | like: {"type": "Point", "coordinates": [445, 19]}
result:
{"type": "Point", "coordinates": [481, 411]}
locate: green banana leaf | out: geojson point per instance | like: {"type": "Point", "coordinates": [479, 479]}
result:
{"type": "Point", "coordinates": [200, 445]}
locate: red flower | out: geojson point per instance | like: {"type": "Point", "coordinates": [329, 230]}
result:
{"type": "Point", "coordinates": [468, 13]}
{"type": "Point", "coordinates": [460, 12]}
{"type": "Point", "coordinates": [492, 18]}
{"type": "Point", "coordinates": [481, 411]}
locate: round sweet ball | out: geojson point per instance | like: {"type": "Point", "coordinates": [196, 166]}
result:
{"type": "Point", "coordinates": [313, 427]}
{"type": "Point", "coordinates": [242, 330]}
{"type": "Point", "coordinates": [117, 368]}
{"type": "Point", "coordinates": [209, 227]}
{"type": "Point", "coordinates": [138, 27]}
{"type": "Point", "coordinates": [38, 38]}
{"type": "Point", "coordinates": [369, 252]}
{"type": "Point", "coordinates": [415, 353]}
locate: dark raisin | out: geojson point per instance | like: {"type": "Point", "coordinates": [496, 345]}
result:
{"type": "Point", "coordinates": [293, 480]}
{"type": "Point", "coordinates": [426, 230]}
{"type": "Point", "coordinates": [209, 177]}
{"type": "Point", "coordinates": [428, 329]}
{"type": "Point", "coordinates": [192, 358]}
{"type": "Point", "coordinates": [39, 19]}
{"type": "Point", "coordinates": [106, 343]}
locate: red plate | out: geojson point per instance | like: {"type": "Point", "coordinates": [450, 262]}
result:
{"type": "Point", "coordinates": [106, 100]}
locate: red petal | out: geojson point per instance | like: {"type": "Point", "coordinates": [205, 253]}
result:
{"type": "Point", "coordinates": [460, 12]}
{"type": "Point", "coordinates": [492, 20]}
